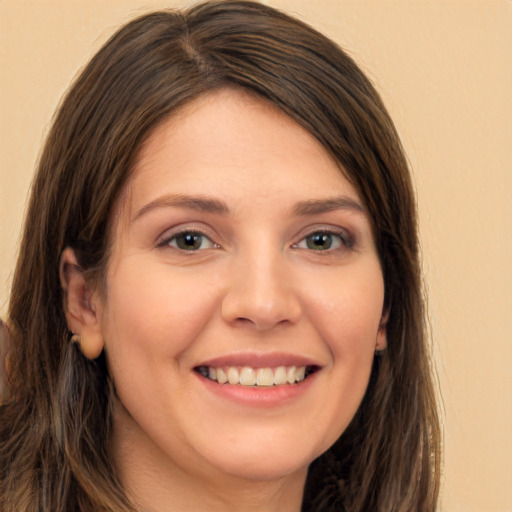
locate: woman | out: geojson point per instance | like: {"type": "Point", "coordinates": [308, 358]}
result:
{"type": "Point", "coordinates": [218, 300]}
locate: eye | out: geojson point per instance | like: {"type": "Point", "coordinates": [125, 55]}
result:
{"type": "Point", "coordinates": [189, 241]}
{"type": "Point", "coordinates": [323, 241]}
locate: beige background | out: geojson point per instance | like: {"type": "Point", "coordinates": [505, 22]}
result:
{"type": "Point", "coordinates": [444, 69]}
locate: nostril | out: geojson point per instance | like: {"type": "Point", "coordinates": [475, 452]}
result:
{"type": "Point", "coordinates": [260, 323]}
{"type": "Point", "coordinates": [247, 322]}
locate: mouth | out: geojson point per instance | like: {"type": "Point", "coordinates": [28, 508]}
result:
{"type": "Point", "coordinates": [257, 376]}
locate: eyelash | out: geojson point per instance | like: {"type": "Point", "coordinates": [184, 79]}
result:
{"type": "Point", "coordinates": [167, 241]}
{"type": "Point", "coordinates": [345, 240]}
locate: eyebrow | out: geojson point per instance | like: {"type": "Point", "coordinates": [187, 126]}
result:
{"type": "Point", "coordinates": [198, 203]}
{"type": "Point", "coordinates": [212, 205]}
{"type": "Point", "coordinates": [318, 206]}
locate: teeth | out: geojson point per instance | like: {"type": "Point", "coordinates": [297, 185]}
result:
{"type": "Point", "coordinates": [300, 374]}
{"type": "Point", "coordinates": [265, 377]}
{"type": "Point", "coordinates": [280, 376]}
{"type": "Point", "coordinates": [233, 376]}
{"type": "Point", "coordinates": [248, 376]}
{"type": "Point", "coordinates": [290, 374]}
{"type": "Point", "coordinates": [222, 378]}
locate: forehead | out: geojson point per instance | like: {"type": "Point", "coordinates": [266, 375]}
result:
{"type": "Point", "coordinates": [233, 144]}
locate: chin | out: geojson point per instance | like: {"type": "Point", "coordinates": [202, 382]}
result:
{"type": "Point", "coordinates": [265, 460]}
{"type": "Point", "coordinates": [265, 468]}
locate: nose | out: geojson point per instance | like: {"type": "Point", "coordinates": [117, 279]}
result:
{"type": "Point", "coordinates": [261, 293]}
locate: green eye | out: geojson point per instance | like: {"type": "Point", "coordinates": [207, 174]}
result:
{"type": "Point", "coordinates": [322, 241]}
{"type": "Point", "coordinates": [190, 241]}
{"type": "Point", "coordinates": [319, 241]}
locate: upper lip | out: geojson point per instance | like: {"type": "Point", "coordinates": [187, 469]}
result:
{"type": "Point", "coordinates": [260, 360]}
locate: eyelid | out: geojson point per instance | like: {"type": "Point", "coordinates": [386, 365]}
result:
{"type": "Point", "coordinates": [347, 238]}
{"type": "Point", "coordinates": [168, 235]}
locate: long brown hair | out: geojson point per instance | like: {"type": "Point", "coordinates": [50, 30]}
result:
{"type": "Point", "coordinates": [54, 432]}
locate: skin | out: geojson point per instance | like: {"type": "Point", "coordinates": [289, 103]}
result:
{"type": "Point", "coordinates": [253, 286]}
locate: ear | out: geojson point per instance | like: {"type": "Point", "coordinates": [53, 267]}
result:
{"type": "Point", "coordinates": [80, 305]}
{"type": "Point", "coordinates": [382, 342]}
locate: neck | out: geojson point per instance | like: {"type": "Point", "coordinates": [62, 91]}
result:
{"type": "Point", "coordinates": [156, 483]}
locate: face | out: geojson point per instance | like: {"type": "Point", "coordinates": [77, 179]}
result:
{"type": "Point", "coordinates": [244, 294]}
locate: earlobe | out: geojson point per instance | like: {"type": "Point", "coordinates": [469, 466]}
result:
{"type": "Point", "coordinates": [90, 342]}
{"type": "Point", "coordinates": [80, 306]}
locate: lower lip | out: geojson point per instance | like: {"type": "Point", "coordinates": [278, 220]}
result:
{"type": "Point", "coordinates": [259, 396]}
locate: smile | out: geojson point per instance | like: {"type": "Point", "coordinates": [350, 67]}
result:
{"type": "Point", "coordinates": [257, 377]}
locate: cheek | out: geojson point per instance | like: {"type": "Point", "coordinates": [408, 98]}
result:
{"type": "Point", "coordinates": [347, 319]}
{"type": "Point", "coordinates": [153, 315]}
{"type": "Point", "coordinates": [349, 313]}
